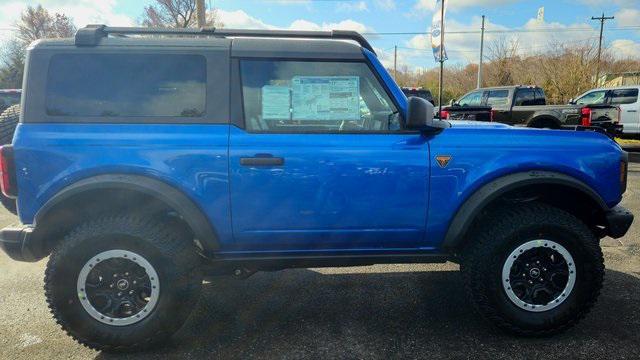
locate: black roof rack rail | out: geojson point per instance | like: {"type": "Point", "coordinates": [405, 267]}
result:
{"type": "Point", "coordinates": [92, 34]}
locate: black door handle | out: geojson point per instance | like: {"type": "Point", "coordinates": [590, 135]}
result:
{"type": "Point", "coordinates": [264, 160]}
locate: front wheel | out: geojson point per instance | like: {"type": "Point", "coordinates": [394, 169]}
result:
{"type": "Point", "coordinates": [533, 270]}
{"type": "Point", "coordinates": [119, 283]}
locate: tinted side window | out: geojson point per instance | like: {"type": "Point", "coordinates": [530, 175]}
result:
{"type": "Point", "coordinates": [302, 96]}
{"type": "Point", "coordinates": [471, 99]}
{"type": "Point", "coordinates": [497, 97]}
{"type": "Point", "coordinates": [624, 96]}
{"type": "Point", "coordinates": [540, 97]}
{"type": "Point", "coordinates": [120, 85]}
{"type": "Point", "coordinates": [525, 97]}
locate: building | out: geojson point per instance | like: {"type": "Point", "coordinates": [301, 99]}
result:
{"type": "Point", "coordinates": [619, 79]}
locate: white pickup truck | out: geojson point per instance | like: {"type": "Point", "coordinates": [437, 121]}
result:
{"type": "Point", "coordinates": [625, 97]}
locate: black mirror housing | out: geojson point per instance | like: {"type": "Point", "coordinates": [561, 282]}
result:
{"type": "Point", "coordinates": [420, 116]}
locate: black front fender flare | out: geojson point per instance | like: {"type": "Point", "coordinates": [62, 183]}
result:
{"type": "Point", "coordinates": [473, 206]}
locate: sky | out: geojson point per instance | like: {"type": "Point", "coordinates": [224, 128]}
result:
{"type": "Point", "coordinates": [565, 22]}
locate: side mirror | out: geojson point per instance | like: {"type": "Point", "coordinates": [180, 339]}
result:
{"type": "Point", "coordinates": [420, 116]}
{"type": "Point", "coordinates": [572, 101]}
{"type": "Point", "coordinates": [452, 102]}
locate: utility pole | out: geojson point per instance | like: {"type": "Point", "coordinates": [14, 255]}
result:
{"type": "Point", "coordinates": [481, 51]}
{"type": "Point", "coordinates": [395, 63]}
{"type": "Point", "coordinates": [200, 12]}
{"type": "Point", "coordinates": [441, 56]}
{"type": "Point", "coordinates": [602, 20]}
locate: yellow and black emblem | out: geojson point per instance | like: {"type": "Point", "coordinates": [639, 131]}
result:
{"type": "Point", "coordinates": [443, 160]}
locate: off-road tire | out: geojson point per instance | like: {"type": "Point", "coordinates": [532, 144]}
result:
{"type": "Point", "coordinates": [8, 122]}
{"type": "Point", "coordinates": [500, 233]}
{"type": "Point", "coordinates": [172, 255]}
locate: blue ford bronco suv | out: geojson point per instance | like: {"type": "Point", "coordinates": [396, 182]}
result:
{"type": "Point", "coordinates": [143, 163]}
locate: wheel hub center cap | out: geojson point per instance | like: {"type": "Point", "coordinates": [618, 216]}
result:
{"type": "Point", "coordinates": [122, 284]}
{"type": "Point", "coordinates": [534, 273]}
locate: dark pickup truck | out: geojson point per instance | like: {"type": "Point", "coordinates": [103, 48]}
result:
{"type": "Point", "coordinates": [418, 92]}
{"type": "Point", "coordinates": [526, 106]}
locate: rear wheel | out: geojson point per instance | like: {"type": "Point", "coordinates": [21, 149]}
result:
{"type": "Point", "coordinates": [8, 122]}
{"type": "Point", "coordinates": [122, 284]}
{"type": "Point", "coordinates": [544, 123]}
{"type": "Point", "coordinates": [533, 270]}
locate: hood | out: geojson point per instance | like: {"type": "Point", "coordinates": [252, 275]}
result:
{"type": "Point", "coordinates": [465, 124]}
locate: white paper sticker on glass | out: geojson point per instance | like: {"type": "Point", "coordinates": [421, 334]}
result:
{"type": "Point", "coordinates": [325, 97]}
{"type": "Point", "coordinates": [276, 102]}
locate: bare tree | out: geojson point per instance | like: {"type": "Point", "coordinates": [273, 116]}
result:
{"type": "Point", "coordinates": [11, 68]}
{"type": "Point", "coordinates": [36, 23]}
{"type": "Point", "coordinates": [503, 53]}
{"type": "Point", "coordinates": [176, 14]}
{"type": "Point", "coordinates": [565, 71]}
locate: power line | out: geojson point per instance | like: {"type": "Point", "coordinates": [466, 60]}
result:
{"type": "Point", "coordinates": [497, 31]}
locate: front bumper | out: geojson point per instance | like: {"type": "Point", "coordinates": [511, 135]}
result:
{"type": "Point", "coordinates": [16, 241]}
{"type": "Point", "coordinates": [619, 221]}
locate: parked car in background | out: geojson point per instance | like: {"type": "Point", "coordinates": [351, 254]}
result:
{"type": "Point", "coordinates": [418, 92]}
{"type": "Point", "coordinates": [527, 106]}
{"type": "Point", "coordinates": [9, 97]}
{"type": "Point", "coordinates": [624, 97]}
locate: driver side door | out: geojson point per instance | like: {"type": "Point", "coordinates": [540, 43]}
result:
{"type": "Point", "coordinates": [321, 162]}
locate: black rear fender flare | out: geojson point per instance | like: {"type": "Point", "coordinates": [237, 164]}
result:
{"type": "Point", "coordinates": [174, 198]}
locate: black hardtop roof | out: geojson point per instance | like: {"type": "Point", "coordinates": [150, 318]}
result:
{"type": "Point", "coordinates": [93, 35]}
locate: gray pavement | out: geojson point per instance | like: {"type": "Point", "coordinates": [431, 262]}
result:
{"type": "Point", "coordinates": [385, 311]}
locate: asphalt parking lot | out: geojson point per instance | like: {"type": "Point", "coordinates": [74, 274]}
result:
{"type": "Point", "coordinates": [391, 311]}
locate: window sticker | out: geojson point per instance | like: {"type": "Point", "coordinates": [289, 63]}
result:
{"type": "Point", "coordinates": [276, 102]}
{"type": "Point", "coordinates": [325, 98]}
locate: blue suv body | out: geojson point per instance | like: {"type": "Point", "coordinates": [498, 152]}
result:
{"type": "Point", "coordinates": [261, 153]}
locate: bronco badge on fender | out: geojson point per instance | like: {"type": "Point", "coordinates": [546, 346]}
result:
{"type": "Point", "coordinates": [443, 160]}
